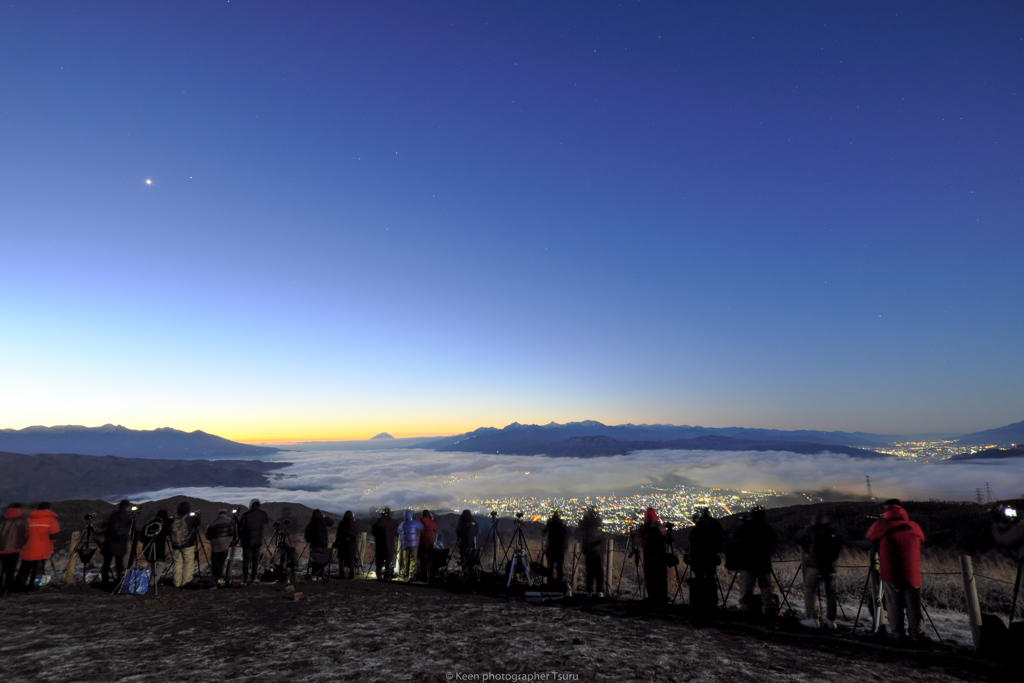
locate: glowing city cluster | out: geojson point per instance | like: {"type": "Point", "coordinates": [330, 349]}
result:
{"type": "Point", "coordinates": [676, 504]}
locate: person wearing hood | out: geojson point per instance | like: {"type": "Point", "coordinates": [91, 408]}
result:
{"type": "Point", "coordinates": [219, 533]}
{"type": "Point", "coordinates": [116, 539]}
{"type": "Point", "coordinates": [383, 536]}
{"type": "Point", "coordinates": [898, 541]}
{"type": "Point", "coordinates": [409, 531]}
{"type": "Point", "coordinates": [42, 527]}
{"type": "Point", "coordinates": [13, 536]}
{"type": "Point", "coordinates": [556, 531]}
{"type": "Point", "coordinates": [250, 537]}
{"type": "Point", "coordinates": [318, 538]}
{"type": "Point", "coordinates": [427, 538]}
{"type": "Point", "coordinates": [652, 537]}
{"type": "Point", "coordinates": [757, 539]}
{"type": "Point", "coordinates": [819, 550]}
{"type": "Point", "coordinates": [347, 543]}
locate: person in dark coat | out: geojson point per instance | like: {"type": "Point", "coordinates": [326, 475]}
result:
{"type": "Point", "coordinates": [13, 536]}
{"type": "Point", "coordinates": [899, 554]}
{"type": "Point", "coordinates": [556, 531]}
{"type": "Point", "coordinates": [250, 537]}
{"type": "Point", "coordinates": [819, 548]}
{"type": "Point", "coordinates": [318, 538]}
{"type": "Point", "coordinates": [705, 542]}
{"type": "Point", "coordinates": [465, 533]}
{"type": "Point", "coordinates": [652, 538]}
{"type": "Point", "coordinates": [384, 544]}
{"type": "Point", "coordinates": [757, 540]}
{"type": "Point", "coordinates": [347, 543]}
{"type": "Point", "coordinates": [116, 541]}
{"type": "Point", "coordinates": [220, 533]}
{"type": "Point", "coordinates": [592, 537]}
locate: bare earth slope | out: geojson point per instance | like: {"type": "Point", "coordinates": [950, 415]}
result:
{"type": "Point", "coordinates": [368, 631]}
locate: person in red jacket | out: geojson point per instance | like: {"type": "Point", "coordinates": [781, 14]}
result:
{"type": "Point", "coordinates": [42, 527]}
{"type": "Point", "coordinates": [13, 534]}
{"type": "Point", "coordinates": [899, 554]}
{"type": "Point", "coordinates": [427, 537]}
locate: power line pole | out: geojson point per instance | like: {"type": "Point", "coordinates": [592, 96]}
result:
{"type": "Point", "coordinates": [978, 493]}
{"type": "Point", "coordinates": [870, 495]}
{"type": "Point", "coordinates": [988, 491]}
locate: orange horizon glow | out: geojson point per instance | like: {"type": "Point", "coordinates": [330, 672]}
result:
{"type": "Point", "coordinates": [361, 436]}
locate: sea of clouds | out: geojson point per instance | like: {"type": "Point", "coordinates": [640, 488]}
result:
{"type": "Point", "coordinates": [416, 478]}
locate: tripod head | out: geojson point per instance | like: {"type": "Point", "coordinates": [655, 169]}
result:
{"type": "Point", "coordinates": [518, 520]}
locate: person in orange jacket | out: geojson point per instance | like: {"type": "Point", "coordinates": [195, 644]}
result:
{"type": "Point", "coordinates": [42, 527]}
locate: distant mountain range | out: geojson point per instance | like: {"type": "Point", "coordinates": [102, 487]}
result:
{"type": "Point", "coordinates": [29, 478]}
{"type": "Point", "coordinates": [595, 446]}
{"type": "Point", "coordinates": [1001, 436]}
{"type": "Point", "coordinates": [127, 443]}
{"type": "Point", "coordinates": [988, 454]}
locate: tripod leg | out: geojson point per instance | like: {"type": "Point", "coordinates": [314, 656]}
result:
{"type": "Point", "coordinates": [937, 634]}
{"type": "Point", "coordinates": [732, 582]}
{"type": "Point", "coordinates": [863, 593]}
{"type": "Point", "coordinates": [784, 601]}
{"type": "Point", "coordinates": [1016, 592]}
{"type": "Point", "coordinates": [792, 581]}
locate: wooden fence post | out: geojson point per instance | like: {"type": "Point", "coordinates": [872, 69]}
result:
{"type": "Point", "coordinates": [973, 607]}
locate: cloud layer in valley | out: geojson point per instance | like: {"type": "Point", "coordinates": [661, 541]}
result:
{"type": "Point", "coordinates": [362, 480]}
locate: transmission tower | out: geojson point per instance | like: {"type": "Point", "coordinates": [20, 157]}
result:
{"type": "Point", "coordinates": [978, 493]}
{"type": "Point", "coordinates": [988, 491]}
{"type": "Point", "coordinates": [870, 495]}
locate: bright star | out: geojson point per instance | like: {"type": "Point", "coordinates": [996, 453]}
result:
{"type": "Point", "coordinates": [148, 181]}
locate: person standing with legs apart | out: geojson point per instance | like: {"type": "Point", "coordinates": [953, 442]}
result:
{"type": "Point", "coordinates": [555, 530]}
{"type": "Point", "coordinates": [13, 536]}
{"type": "Point", "coordinates": [757, 539]}
{"type": "Point", "coordinates": [250, 536]}
{"type": "Point", "coordinates": [318, 538]}
{"type": "Point", "coordinates": [819, 550]}
{"type": "Point", "coordinates": [899, 555]}
{"type": "Point", "coordinates": [184, 529]}
{"type": "Point", "coordinates": [42, 527]}
{"type": "Point", "coordinates": [652, 536]}
{"type": "Point", "coordinates": [220, 532]}
{"type": "Point", "coordinates": [409, 531]}
{"type": "Point", "coordinates": [705, 542]}
{"type": "Point", "coordinates": [383, 536]}
{"type": "Point", "coordinates": [115, 542]}
{"type": "Point", "coordinates": [427, 539]}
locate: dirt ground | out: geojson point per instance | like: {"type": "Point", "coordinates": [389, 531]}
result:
{"type": "Point", "coordinates": [363, 630]}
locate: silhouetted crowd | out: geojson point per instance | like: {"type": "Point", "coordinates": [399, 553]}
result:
{"type": "Point", "coordinates": [412, 548]}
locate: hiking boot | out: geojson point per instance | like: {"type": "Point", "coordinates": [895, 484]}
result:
{"type": "Point", "coordinates": [810, 623]}
{"type": "Point", "coordinates": [830, 624]}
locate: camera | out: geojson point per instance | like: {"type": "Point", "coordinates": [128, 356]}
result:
{"type": "Point", "coordinates": [135, 508]}
{"type": "Point", "coordinates": [191, 514]}
{"type": "Point", "coordinates": [1010, 513]}
{"type": "Point", "coordinates": [670, 526]}
{"type": "Point", "coordinates": [234, 511]}
{"type": "Point", "coordinates": [494, 514]}
{"type": "Point", "coordinates": [519, 515]}
{"type": "Point", "coordinates": [88, 516]}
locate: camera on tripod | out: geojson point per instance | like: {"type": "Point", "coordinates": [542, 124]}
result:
{"type": "Point", "coordinates": [88, 516]}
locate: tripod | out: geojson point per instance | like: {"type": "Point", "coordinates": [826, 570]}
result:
{"type": "Point", "coordinates": [283, 553]}
{"type": "Point", "coordinates": [82, 548]}
{"type": "Point", "coordinates": [520, 555]}
{"type": "Point", "coordinates": [495, 538]}
{"type": "Point", "coordinates": [231, 549]}
{"type": "Point", "coordinates": [132, 556]}
{"type": "Point", "coordinates": [152, 531]}
{"type": "Point", "coordinates": [633, 552]}
{"type": "Point", "coordinates": [670, 551]}
{"type": "Point", "coordinates": [879, 611]}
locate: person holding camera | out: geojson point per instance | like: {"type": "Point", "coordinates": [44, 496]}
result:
{"type": "Point", "coordinates": [250, 537]}
{"type": "Point", "coordinates": [652, 536]}
{"type": "Point", "coordinates": [347, 543]}
{"type": "Point", "coordinates": [555, 530]}
{"type": "Point", "coordinates": [757, 539]}
{"type": "Point", "coordinates": [427, 539]}
{"type": "Point", "coordinates": [220, 533]}
{"type": "Point", "coordinates": [318, 538]}
{"type": "Point", "coordinates": [819, 550]}
{"type": "Point", "coordinates": [13, 536]}
{"type": "Point", "coordinates": [898, 541]}
{"type": "Point", "coordinates": [592, 535]}
{"type": "Point", "coordinates": [116, 541]}
{"type": "Point", "coordinates": [705, 542]}
{"type": "Point", "coordinates": [42, 527]}
{"type": "Point", "coordinates": [383, 542]}
{"type": "Point", "coordinates": [183, 535]}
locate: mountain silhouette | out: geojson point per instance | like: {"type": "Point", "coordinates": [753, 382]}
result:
{"type": "Point", "coordinates": [382, 435]}
{"type": "Point", "coordinates": [1000, 436]}
{"type": "Point", "coordinates": [127, 443]}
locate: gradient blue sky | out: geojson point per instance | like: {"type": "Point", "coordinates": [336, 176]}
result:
{"type": "Point", "coordinates": [426, 217]}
